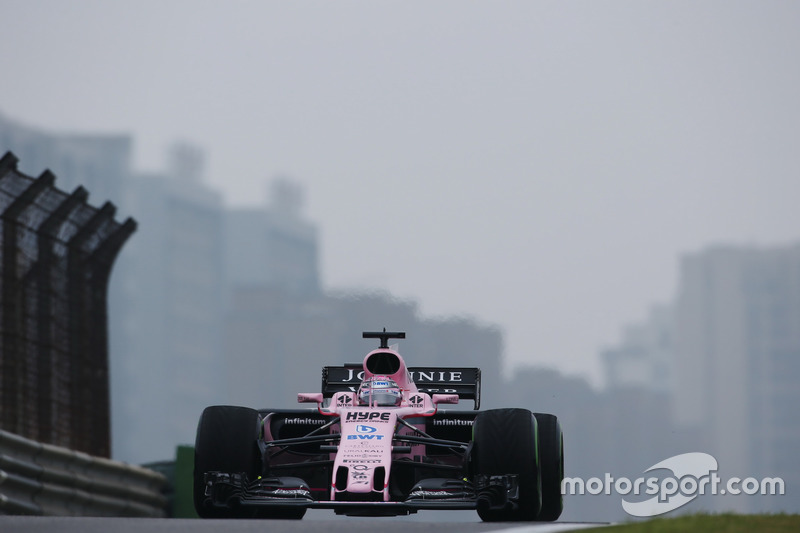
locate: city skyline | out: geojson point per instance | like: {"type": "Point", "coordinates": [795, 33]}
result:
{"type": "Point", "coordinates": [534, 165]}
{"type": "Point", "coordinates": [735, 312]}
{"type": "Point", "coordinates": [170, 178]}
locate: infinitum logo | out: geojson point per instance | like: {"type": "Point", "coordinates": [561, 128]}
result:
{"type": "Point", "coordinates": [693, 474]}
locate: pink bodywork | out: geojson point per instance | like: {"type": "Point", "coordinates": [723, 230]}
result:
{"type": "Point", "coordinates": [367, 431]}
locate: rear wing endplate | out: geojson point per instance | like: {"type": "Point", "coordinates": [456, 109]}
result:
{"type": "Point", "coordinates": [466, 382]}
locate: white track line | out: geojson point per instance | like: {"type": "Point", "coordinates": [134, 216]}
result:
{"type": "Point", "coordinates": [552, 528]}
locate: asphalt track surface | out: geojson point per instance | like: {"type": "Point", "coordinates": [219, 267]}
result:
{"type": "Point", "coordinates": [38, 524]}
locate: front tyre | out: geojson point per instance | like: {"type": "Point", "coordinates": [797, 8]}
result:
{"type": "Point", "coordinates": [505, 441]}
{"type": "Point", "coordinates": [226, 442]}
{"type": "Point", "coordinates": [551, 459]}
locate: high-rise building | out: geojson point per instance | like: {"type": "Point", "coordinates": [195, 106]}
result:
{"type": "Point", "coordinates": [644, 356]}
{"type": "Point", "coordinates": [167, 313]}
{"type": "Point", "coordinates": [737, 364]}
{"type": "Point", "coordinates": [273, 246]}
{"type": "Point", "coordinates": [100, 163]}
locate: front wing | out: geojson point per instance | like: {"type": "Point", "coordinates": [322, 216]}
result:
{"type": "Point", "coordinates": [235, 491]}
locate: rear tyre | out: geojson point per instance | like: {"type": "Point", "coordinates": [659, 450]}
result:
{"type": "Point", "coordinates": [551, 461]}
{"type": "Point", "coordinates": [505, 442]}
{"type": "Point", "coordinates": [227, 441]}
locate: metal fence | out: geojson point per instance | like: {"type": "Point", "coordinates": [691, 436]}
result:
{"type": "Point", "coordinates": [56, 254]}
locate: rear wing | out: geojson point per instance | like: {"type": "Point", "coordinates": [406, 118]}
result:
{"type": "Point", "coordinates": [466, 382]}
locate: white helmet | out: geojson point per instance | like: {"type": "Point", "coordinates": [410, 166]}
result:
{"type": "Point", "coordinates": [379, 390]}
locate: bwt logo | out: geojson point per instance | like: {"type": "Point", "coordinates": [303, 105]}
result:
{"type": "Point", "coordinates": [365, 429]}
{"type": "Point", "coordinates": [693, 474]}
{"type": "Point", "coordinates": [365, 437]}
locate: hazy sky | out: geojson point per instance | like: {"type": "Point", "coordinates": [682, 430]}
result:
{"type": "Point", "coordinates": [536, 165]}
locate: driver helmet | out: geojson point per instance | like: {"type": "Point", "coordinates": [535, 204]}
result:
{"type": "Point", "coordinates": [379, 390]}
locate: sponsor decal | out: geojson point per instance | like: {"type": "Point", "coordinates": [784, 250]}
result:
{"type": "Point", "coordinates": [301, 421]}
{"type": "Point", "coordinates": [416, 400]}
{"type": "Point", "coordinates": [362, 457]}
{"type": "Point", "coordinates": [344, 401]}
{"type": "Point", "coordinates": [446, 376]}
{"type": "Point", "coordinates": [372, 416]}
{"type": "Point", "coordinates": [373, 461]}
{"type": "Point", "coordinates": [359, 475]}
{"type": "Point", "coordinates": [365, 437]}
{"type": "Point", "coordinates": [352, 375]}
{"type": "Point", "coordinates": [367, 446]}
{"type": "Point", "coordinates": [424, 493]}
{"type": "Point", "coordinates": [453, 422]}
{"type": "Point", "coordinates": [365, 429]}
{"type": "Point", "coordinates": [292, 492]}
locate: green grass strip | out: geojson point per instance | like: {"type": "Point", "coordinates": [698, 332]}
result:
{"type": "Point", "coordinates": [711, 523]}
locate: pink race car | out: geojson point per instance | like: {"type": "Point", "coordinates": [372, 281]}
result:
{"type": "Point", "coordinates": [377, 444]}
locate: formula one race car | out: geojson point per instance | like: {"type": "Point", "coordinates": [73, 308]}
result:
{"type": "Point", "coordinates": [378, 445]}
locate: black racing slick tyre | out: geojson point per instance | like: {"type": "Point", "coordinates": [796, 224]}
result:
{"type": "Point", "coordinates": [551, 461]}
{"type": "Point", "coordinates": [505, 441]}
{"type": "Point", "coordinates": [226, 442]}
